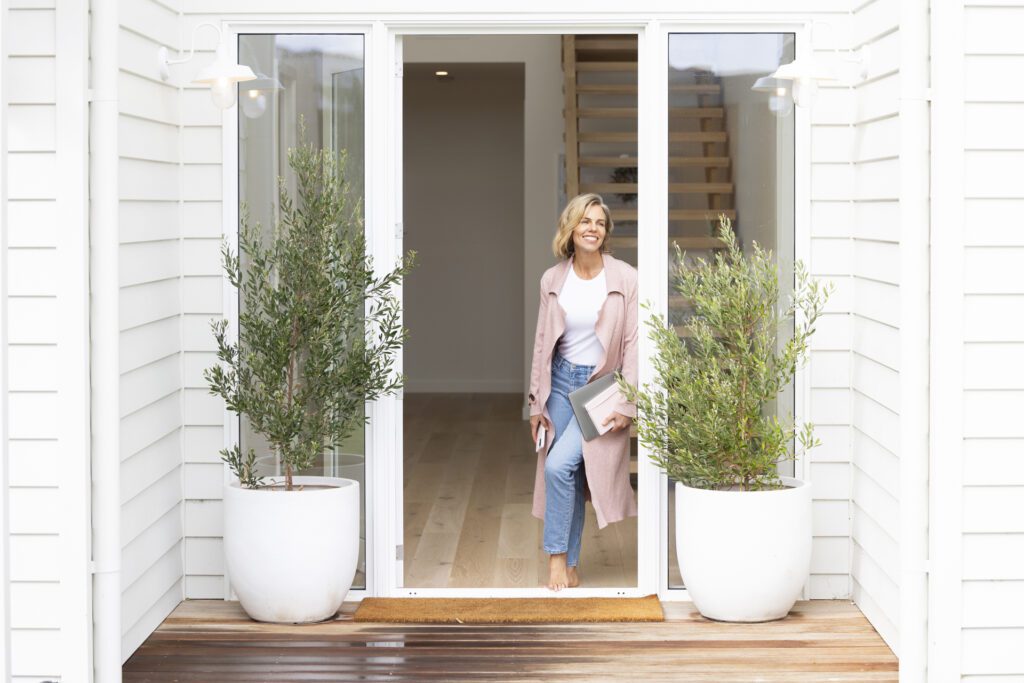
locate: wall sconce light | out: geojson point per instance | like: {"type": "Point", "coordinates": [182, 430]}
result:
{"type": "Point", "coordinates": [254, 95]}
{"type": "Point", "coordinates": [222, 74]}
{"type": "Point", "coordinates": [779, 101]}
{"type": "Point", "coordinates": [802, 76]}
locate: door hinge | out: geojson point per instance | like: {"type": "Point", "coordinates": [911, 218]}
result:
{"type": "Point", "coordinates": [399, 69]}
{"type": "Point", "coordinates": [400, 552]}
{"type": "Point", "coordinates": [399, 231]}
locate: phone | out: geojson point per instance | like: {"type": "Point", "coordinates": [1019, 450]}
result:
{"type": "Point", "coordinates": [541, 433]}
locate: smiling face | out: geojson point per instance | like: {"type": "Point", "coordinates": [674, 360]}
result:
{"type": "Point", "coordinates": [589, 235]}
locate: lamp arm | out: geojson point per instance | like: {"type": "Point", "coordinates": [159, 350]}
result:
{"type": "Point", "coordinates": [192, 48]}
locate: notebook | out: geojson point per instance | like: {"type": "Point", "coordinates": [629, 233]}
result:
{"type": "Point", "coordinates": [593, 402]}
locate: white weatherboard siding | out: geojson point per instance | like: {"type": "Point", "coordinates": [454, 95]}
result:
{"type": "Point", "coordinates": [872, 254]}
{"type": "Point", "coordinates": [169, 284]}
{"type": "Point", "coordinates": [151, 302]}
{"type": "Point", "coordinates": [831, 225]}
{"type": "Point", "coordinates": [202, 298]}
{"type": "Point", "coordinates": [32, 384]}
{"type": "Point", "coordinates": [828, 405]}
{"type": "Point", "coordinates": [993, 345]}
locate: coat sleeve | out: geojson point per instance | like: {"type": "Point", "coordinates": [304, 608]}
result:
{"type": "Point", "coordinates": [538, 350]}
{"type": "Point", "coordinates": [630, 357]}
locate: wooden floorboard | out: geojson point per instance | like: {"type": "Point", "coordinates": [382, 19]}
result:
{"type": "Point", "coordinates": [212, 640]}
{"type": "Point", "coordinates": [469, 470]}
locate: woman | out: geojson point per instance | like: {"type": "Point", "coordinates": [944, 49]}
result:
{"type": "Point", "coordinates": [586, 328]}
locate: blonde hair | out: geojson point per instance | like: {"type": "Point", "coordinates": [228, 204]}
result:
{"type": "Point", "coordinates": [571, 216]}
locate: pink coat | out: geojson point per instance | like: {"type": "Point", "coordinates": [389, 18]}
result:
{"type": "Point", "coordinates": [605, 457]}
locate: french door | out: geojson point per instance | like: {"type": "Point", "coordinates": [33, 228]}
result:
{"type": "Point", "coordinates": [392, 244]}
{"type": "Point", "coordinates": [368, 84]}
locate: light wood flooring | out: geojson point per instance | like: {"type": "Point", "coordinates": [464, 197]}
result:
{"type": "Point", "coordinates": [469, 472]}
{"type": "Point", "coordinates": [212, 640]}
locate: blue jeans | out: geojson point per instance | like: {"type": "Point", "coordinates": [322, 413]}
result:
{"type": "Point", "coordinates": [563, 469]}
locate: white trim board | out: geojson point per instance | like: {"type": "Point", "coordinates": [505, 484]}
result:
{"type": "Point", "coordinates": [946, 313]}
{"type": "Point", "coordinates": [74, 431]}
{"type": "Point", "coordinates": [5, 563]}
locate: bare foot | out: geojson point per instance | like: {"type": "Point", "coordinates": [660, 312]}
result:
{"type": "Point", "coordinates": [558, 577]}
{"type": "Point", "coordinates": [573, 576]}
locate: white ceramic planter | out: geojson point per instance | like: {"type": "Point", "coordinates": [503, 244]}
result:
{"type": "Point", "coordinates": [291, 555]}
{"type": "Point", "coordinates": [353, 466]}
{"type": "Point", "coordinates": [744, 555]}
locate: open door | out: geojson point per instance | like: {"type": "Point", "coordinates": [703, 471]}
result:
{"type": "Point", "coordinates": [477, 178]}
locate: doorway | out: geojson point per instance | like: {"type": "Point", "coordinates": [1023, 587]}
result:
{"type": "Point", "coordinates": [376, 455]}
{"type": "Point", "coordinates": [483, 169]}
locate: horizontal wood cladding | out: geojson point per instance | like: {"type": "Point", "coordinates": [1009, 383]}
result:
{"type": "Point", "coordinates": [873, 147]}
{"type": "Point", "coordinates": [33, 332]}
{"type": "Point", "coordinates": [151, 183]}
{"type": "Point", "coordinates": [993, 291]}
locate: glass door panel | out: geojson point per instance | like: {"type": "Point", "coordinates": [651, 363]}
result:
{"type": "Point", "coordinates": [730, 150]}
{"type": "Point", "coordinates": [318, 77]}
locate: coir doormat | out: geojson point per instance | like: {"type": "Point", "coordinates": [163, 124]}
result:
{"type": "Point", "coordinates": [508, 610]}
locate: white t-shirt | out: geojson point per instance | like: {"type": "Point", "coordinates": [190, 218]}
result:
{"type": "Point", "coordinates": [582, 300]}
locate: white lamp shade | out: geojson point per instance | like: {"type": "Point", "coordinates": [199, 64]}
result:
{"type": "Point", "coordinates": [771, 85]}
{"type": "Point", "coordinates": [223, 69]}
{"type": "Point", "coordinates": [806, 69]}
{"type": "Point", "coordinates": [804, 75]}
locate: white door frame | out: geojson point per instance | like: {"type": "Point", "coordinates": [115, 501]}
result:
{"type": "Point", "coordinates": [383, 475]}
{"type": "Point", "coordinates": [801, 228]}
{"type": "Point", "coordinates": [648, 475]}
{"type": "Point", "coordinates": [229, 209]}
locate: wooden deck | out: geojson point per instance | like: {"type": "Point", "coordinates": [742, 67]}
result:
{"type": "Point", "coordinates": [213, 641]}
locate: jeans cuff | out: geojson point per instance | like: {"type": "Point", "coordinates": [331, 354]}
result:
{"type": "Point", "coordinates": [555, 552]}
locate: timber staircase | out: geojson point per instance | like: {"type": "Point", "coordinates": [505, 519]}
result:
{"type": "Point", "coordinates": [601, 146]}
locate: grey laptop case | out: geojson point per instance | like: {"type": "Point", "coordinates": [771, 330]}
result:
{"type": "Point", "coordinates": [579, 399]}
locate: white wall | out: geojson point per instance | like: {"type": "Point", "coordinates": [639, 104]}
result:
{"type": "Point", "coordinates": [463, 167]}
{"type": "Point", "coordinates": [45, 336]}
{"type": "Point", "coordinates": [871, 256]}
{"type": "Point", "coordinates": [543, 128]}
{"type": "Point", "coordinates": [32, 335]}
{"type": "Point", "coordinates": [992, 457]}
{"type": "Point", "coordinates": [201, 301]}
{"type": "Point", "coordinates": [151, 269]}
{"type": "Point", "coordinates": [828, 404]}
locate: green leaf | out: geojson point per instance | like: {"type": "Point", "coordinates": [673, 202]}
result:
{"type": "Point", "coordinates": [708, 419]}
{"type": "Point", "coordinates": [319, 328]}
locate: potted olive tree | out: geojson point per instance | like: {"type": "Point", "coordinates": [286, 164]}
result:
{"type": "Point", "coordinates": [317, 335]}
{"type": "Point", "coordinates": [743, 532]}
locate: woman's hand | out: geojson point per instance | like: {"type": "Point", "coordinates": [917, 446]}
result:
{"type": "Point", "coordinates": [618, 420]}
{"type": "Point", "coordinates": [535, 421]}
